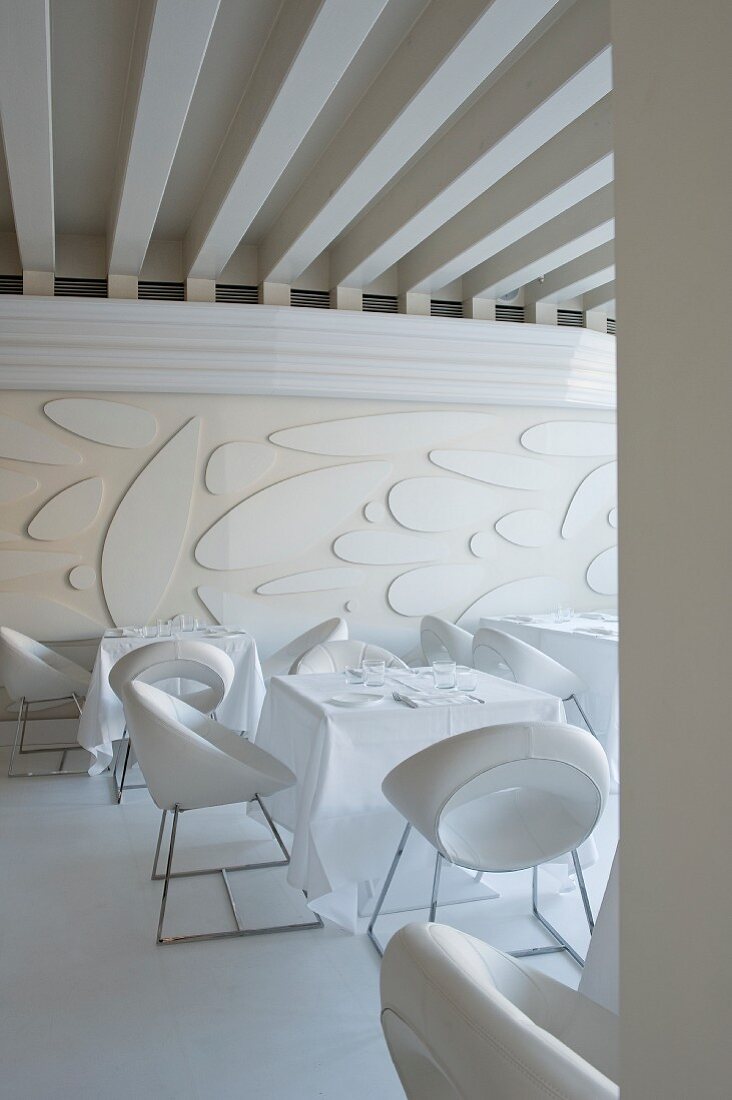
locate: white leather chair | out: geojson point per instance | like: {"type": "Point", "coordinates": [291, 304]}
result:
{"type": "Point", "coordinates": [439, 637]}
{"type": "Point", "coordinates": [283, 661]}
{"type": "Point", "coordinates": [503, 798]}
{"type": "Point", "coordinates": [336, 656]}
{"type": "Point", "coordinates": [34, 675]}
{"type": "Point", "coordinates": [464, 1021]}
{"type": "Point", "coordinates": [184, 661]}
{"type": "Point", "coordinates": [189, 762]}
{"type": "Point", "coordinates": [493, 650]}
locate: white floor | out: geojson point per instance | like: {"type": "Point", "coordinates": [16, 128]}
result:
{"type": "Point", "coordinates": [90, 1007]}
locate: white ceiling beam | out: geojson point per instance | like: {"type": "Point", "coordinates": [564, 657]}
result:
{"type": "Point", "coordinates": [602, 297]}
{"type": "Point", "coordinates": [171, 39]}
{"type": "Point", "coordinates": [552, 84]}
{"type": "Point", "coordinates": [25, 112]}
{"type": "Point", "coordinates": [575, 278]}
{"type": "Point", "coordinates": [561, 173]}
{"type": "Point", "coordinates": [446, 57]}
{"type": "Point", "coordinates": [311, 46]}
{"type": "Point", "coordinates": [571, 234]}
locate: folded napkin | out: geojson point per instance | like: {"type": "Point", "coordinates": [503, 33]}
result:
{"type": "Point", "coordinates": [444, 699]}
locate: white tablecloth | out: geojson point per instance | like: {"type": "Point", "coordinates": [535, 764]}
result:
{"type": "Point", "coordinates": [103, 720]}
{"type": "Point", "coordinates": [588, 647]}
{"type": "Point", "coordinates": [344, 830]}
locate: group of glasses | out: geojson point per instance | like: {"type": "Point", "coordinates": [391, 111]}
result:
{"type": "Point", "coordinates": [446, 674]}
{"type": "Point", "coordinates": [166, 628]}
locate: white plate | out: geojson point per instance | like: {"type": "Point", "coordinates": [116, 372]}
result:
{"type": "Point", "coordinates": [356, 699]}
{"type": "Point", "coordinates": [214, 633]}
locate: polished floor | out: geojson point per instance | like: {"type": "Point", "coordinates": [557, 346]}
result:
{"type": "Point", "coordinates": [90, 1007]}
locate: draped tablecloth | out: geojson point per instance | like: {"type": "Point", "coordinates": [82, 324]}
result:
{"type": "Point", "coordinates": [344, 831]}
{"type": "Point", "coordinates": [103, 720]}
{"type": "Point", "coordinates": [589, 647]}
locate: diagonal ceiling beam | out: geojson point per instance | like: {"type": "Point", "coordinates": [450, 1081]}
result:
{"type": "Point", "coordinates": [310, 48]}
{"type": "Point", "coordinates": [448, 54]}
{"type": "Point", "coordinates": [573, 279]}
{"type": "Point", "coordinates": [602, 297]}
{"type": "Point", "coordinates": [574, 164]}
{"type": "Point", "coordinates": [557, 80]}
{"type": "Point", "coordinates": [171, 39]}
{"type": "Point", "coordinates": [25, 113]}
{"type": "Point", "coordinates": [571, 234]}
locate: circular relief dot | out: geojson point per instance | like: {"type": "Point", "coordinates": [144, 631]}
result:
{"type": "Point", "coordinates": [351, 605]}
{"type": "Point", "coordinates": [480, 544]}
{"type": "Point", "coordinates": [375, 511]}
{"type": "Point", "coordinates": [82, 576]}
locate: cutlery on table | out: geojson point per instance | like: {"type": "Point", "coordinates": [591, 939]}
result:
{"type": "Point", "coordinates": [403, 699]}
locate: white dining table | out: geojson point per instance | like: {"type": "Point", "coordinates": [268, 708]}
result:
{"type": "Point", "coordinates": [102, 721]}
{"type": "Point", "coordinates": [588, 645]}
{"type": "Point", "coordinates": [344, 831]}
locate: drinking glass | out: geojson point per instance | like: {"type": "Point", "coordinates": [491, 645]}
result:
{"type": "Point", "coordinates": [186, 623]}
{"type": "Point", "coordinates": [444, 673]}
{"type": "Point", "coordinates": [165, 628]}
{"type": "Point", "coordinates": [354, 674]}
{"type": "Point", "coordinates": [467, 678]}
{"type": "Point", "coordinates": [374, 672]}
{"type": "Point", "coordinates": [150, 630]}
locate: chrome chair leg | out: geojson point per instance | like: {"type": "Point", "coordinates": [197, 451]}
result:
{"type": "Point", "coordinates": [122, 786]}
{"type": "Point", "coordinates": [385, 889]}
{"type": "Point", "coordinates": [20, 749]}
{"type": "Point", "coordinates": [240, 930]}
{"type": "Point", "coordinates": [585, 719]}
{"type": "Point", "coordinates": [563, 943]}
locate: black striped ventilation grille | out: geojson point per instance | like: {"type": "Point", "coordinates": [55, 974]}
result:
{"type": "Point", "coordinates": [313, 299]}
{"type": "Point", "coordinates": [64, 287]}
{"type": "Point", "coordinates": [380, 303]}
{"type": "Point", "coordinates": [233, 292]}
{"type": "Point", "coordinates": [148, 289]}
{"type": "Point", "coordinates": [509, 313]}
{"type": "Point", "coordinates": [571, 317]}
{"type": "Point", "coordinates": [611, 325]}
{"type": "Point", "coordinates": [11, 284]}
{"type": "Point", "coordinates": [441, 308]}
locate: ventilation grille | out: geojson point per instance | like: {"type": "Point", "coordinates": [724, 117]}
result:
{"type": "Point", "coordinates": [232, 292]}
{"type": "Point", "coordinates": [79, 288]}
{"type": "Point", "coordinates": [440, 308]}
{"type": "Point", "coordinates": [161, 292]}
{"type": "Point", "coordinates": [380, 303]}
{"type": "Point", "coordinates": [313, 299]}
{"type": "Point", "coordinates": [509, 313]}
{"type": "Point", "coordinates": [571, 317]}
{"type": "Point", "coordinates": [611, 325]}
{"type": "Point", "coordinates": [11, 284]}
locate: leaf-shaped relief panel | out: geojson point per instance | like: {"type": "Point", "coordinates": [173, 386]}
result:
{"type": "Point", "coordinates": [69, 512]}
{"type": "Point", "coordinates": [382, 433]}
{"type": "Point", "coordinates": [26, 444]}
{"type": "Point", "coordinates": [112, 422]}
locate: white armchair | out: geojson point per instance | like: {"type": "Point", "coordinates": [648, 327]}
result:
{"type": "Point", "coordinates": [336, 656]}
{"type": "Point", "coordinates": [438, 636]}
{"type": "Point", "coordinates": [283, 661]}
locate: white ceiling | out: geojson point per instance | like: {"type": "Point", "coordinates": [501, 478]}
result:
{"type": "Point", "coordinates": [408, 144]}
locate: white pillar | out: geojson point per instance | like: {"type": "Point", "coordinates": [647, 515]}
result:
{"type": "Point", "coordinates": [480, 309]}
{"type": "Point", "coordinates": [415, 303]}
{"type": "Point", "coordinates": [274, 294]}
{"type": "Point", "coordinates": [673, 160]}
{"type": "Point", "coordinates": [121, 286]}
{"type": "Point", "coordinates": [200, 290]}
{"type": "Point", "coordinates": [38, 283]}
{"type": "Point", "coordinates": [346, 297]}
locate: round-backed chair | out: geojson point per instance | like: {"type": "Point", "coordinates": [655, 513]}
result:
{"type": "Point", "coordinates": [283, 661]}
{"type": "Point", "coordinates": [438, 637]}
{"type": "Point", "coordinates": [196, 672]}
{"type": "Point", "coordinates": [337, 656]}
{"type": "Point", "coordinates": [190, 761]}
{"type": "Point", "coordinates": [494, 651]}
{"type": "Point", "coordinates": [464, 1021]}
{"type": "Point", "coordinates": [502, 798]}
{"type": "Point", "coordinates": [35, 676]}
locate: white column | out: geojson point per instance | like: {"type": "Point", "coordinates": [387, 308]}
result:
{"type": "Point", "coordinates": [346, 297]}
{"type": "Point", "coordinates": [200, 290]}
{"type": "Point", "coordinates": [274, 294]}
{"type": "Point", "coordinates": [38, 283]}
{"type": "Point", "coordinates": [673, 157]}
{"type": "Point", "coordinates": [415, 303]}
{"type": "Point", "coordinates": [121, 286]}
{"type": "Point", "coordinates": [480, 309]}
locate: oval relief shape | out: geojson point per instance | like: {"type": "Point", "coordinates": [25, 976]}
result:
{"type": "Point", "coordinates": [602, 573]}
{"type": "Point", "coordinates": [112, 422]}
{"type": "Point", "coordinates": [439, 503]}
{"type": "Point", "coordinates": [527, 527]}
{"type": "Point", "coordinates": [531, 595]}
{"type": "Point", "coordinates": [480, 544]}
{"type": "Point", "coordinates": [287, 518]}
{"type": "Point", "coordinates": [382, 433]}
{"type": "Point", "coordinates": [571, 438]}
{"type": "Point", "coordinates": [612, 517]}
{"type": "Point", "coordinates": [26, 444]}
{"type": "Point", "coordinates": [69, 512]}
{"type": "Point", "coordinates": [422, 591]}
{"type": "Point", "coordinates": [374, 511]}
{"type": "Point", "coordinates": [592, 497]}
{"type": "Point", "coordinates": [315, 580]}
{"type": "Point", "coordinates": [386, 548]}
{"type": "Point", "coordinates": [15, 486]}
{"type": "Point", "coordinates": [145, 537]}
{"type": "Point", "coordinates": [25, 563]}
{"type": "Point", "coordinates": [508, 471]}
{"type": "Point", "coordinates": [82, 576]}
{"type": "Point", "coordinates": [233, 467]}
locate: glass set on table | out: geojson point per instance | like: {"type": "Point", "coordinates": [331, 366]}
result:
{"type": "Point", "coordinates": [446, 674]}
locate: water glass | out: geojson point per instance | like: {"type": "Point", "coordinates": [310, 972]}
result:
{"type": "Point", "coordinates": [150, 630]}
{"type": "Point", "coordinates": [354, 674]}
{"type": "Point", "coordinates": [374, 672]}
{"type": "Point", "coordinates": [563, 614]}
{"type": "Point", "coordinates": [444, 673]}
{"type": "Point", "coordinates": [187, 623]}
{"type": "Point", "coordinates": [165, 628]}
{"type": "Point", "coordinates": [467, 678]}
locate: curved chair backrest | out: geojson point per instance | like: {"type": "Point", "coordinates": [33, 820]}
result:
{"type": "Point", "coordinates": [528, 665]}
{"type": "Point", "coordinates": [190, 760]}
{"type": "Point", "coordinates": [504, 798]}
{"type": "Point", "coordinates": [283, 661]}
{"type": "Point", "coordinates": [463, 1021]}
{"type": "Point", "coordinates": [336, 656]}
{"type": "Point", "coordinates": [33, 671]}
{"type": "Point", "coordinates": [178, 659]}
{"type": "Point", "coordinates": [438, 637]}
